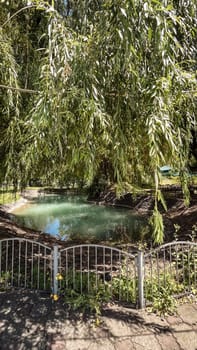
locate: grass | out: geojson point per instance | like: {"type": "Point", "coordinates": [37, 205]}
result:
{"type": "Point", "coordinates": [169, 181]}
{"type": "Point", "coordinates": [8, 196]}
{"type": "Point", "coordinates": [34, 188]}
{"type": "Point", "coordinates": [175, 180]}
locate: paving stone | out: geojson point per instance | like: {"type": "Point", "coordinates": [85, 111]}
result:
{"type": "Point", "coordinates": [188, 314]}
{"type": "Point", "coordinates": [124, 344]}
{"type": "Point", "coordinates": [195, 302]}
{"type": "Point", "coordinates": [100, 344]}
{"type": "Point", "coordinates": [173, 319]}
{"type": "Point", "coordinates": [28, 321]}
{"type": "Point", "coordinates": [155, 324]}
{"type": "Point", "coordinates": [78, 330]}
{"type": "Point", "coordinates": [51, 329]}
{"type": "Point", "coordinates": [119, 328]}
{"type": "Point", "coordinates": [146, 342]}
{"type": "Point", "coordinates": [185, 336]}
{"type": "Point", "coordinates": [167, 341]}
{"type": "Point", "coordinates": [55, 342]}
{"type": "Point", "coordinates": [3, 325]}
{"type": "Point", "coordinates": [99, 332]}
{"type": "Point", "coordinates": [79, 344]}
{"type": "Point", "coordinates": [58, 345]}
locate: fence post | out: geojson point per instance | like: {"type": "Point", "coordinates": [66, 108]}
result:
{"type": "Point", "coordinates": [55, 269]}
{"type": "Point", "coordinates": [140, 273]}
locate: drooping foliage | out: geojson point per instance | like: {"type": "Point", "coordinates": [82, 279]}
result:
{"type": "Point", "coordinates": [114, 84]}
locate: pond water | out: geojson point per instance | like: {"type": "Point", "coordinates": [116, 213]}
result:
{"type": "Point", "coordinates": [71, 217]}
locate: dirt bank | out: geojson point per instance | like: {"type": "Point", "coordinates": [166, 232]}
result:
{"type": "Point", "coordinates": [9, 229]}
{"type": "Point", "coordinates": [177, 217]}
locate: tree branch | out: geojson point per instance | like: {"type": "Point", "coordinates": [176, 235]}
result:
{"type": "Point", "coordinates": [28, 91]}
{"type": "Point", "coordinates": [16, 13]}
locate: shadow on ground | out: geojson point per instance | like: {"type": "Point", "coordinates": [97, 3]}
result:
{"type": "Point", "coordinates": [31, 320]}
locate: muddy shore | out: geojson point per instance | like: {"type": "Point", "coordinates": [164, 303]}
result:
{"type": "Point", "coordinates": [9, 229]}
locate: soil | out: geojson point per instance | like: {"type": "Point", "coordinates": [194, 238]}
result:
{"type": "Point", "coordinates": [177, 215]}
{"type": "Point", "coordinates": [9, 229]}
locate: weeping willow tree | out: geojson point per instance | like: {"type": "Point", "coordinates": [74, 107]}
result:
{"type": "Point", "coordinates": [18, 73]}
{"type": "Point", "coordinates": [104, 81]}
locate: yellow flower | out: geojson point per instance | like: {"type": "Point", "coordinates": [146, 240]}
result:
{"type": "Point", "coordinates": [55, 297]}
{"type": "Point", "coordinates": [59, 277]}
{"type": "Point", "coordinates": [97, 322]}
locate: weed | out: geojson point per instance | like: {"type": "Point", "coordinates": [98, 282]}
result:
{"type": "Point", "coordinates": [160, 292]}
{"type": "Point", "coordinates": [85, 292]}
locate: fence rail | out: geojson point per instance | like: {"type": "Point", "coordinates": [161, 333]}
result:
{"type": "Point", "coordinates": [88, 268]}
{"type": "Point", "coordinates": [84, 269]}
{"type": "Point", "coordinates": [171, 266]}
{"type": "Point", "coordinates": [25, 263]}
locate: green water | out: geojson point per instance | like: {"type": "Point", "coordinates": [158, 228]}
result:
{"type": "Point", "coordinates": [71, 217]}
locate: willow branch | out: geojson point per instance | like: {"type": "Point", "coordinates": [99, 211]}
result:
{"type": "Point", "coordinates": [16, 13]}
{"type": "Point", "coordinates": [28, 91]}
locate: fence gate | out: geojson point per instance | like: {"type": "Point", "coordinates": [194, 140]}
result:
{"type": "Point", "coordinates": [26, 264]}
{"type": "Point", "coordinates": [95, 270]}
{"type": "Point", "coordinates": [99, 271]}
{"type": "Point", "coordinates": [171, 267]}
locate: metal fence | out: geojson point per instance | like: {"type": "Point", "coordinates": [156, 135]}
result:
{"type": "Point", "coordinates": [171, 267]}
{"type": "Point", "coordinates": [91, 269]}
{"type": "Point", "coordinates": [94, 268]}
{"type": "Point", "coordinates": [25, 264]}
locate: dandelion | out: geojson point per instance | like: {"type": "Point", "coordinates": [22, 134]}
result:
{"type": "Point", "coordinates": [55, 297]}
{"type": "Point", "coordinates": [97, 322]}
{"type": "Point", "coordinates": [59, 277]}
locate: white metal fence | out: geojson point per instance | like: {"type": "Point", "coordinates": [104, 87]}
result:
{"type": "Point", "coordinates": [88, 268]}
{"type": "Point", "coordinates": [25, 264]}
{"type": "Point", "coordinates": [172, 266]}
{"type": "Point", "coordinates": [131, 278]}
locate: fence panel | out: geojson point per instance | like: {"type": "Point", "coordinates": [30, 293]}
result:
{"type": "Point", "coordinates": [25, 264]}
{"type": "Point", "coordinates": [95, 270]}
{"type": "Point", "coordinates": [172, 268]}
{"type": "Point", "coordinates": [100, 271]}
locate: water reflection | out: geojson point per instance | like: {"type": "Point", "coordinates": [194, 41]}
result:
{"type": "Point", "coordinates": [71, 217]}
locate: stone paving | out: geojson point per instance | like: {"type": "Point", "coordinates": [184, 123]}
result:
{"type": "Point", "coordinates": [31, 320]}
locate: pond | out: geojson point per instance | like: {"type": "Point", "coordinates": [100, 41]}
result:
{"type": "Point", "coordinates": [71, 217]}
